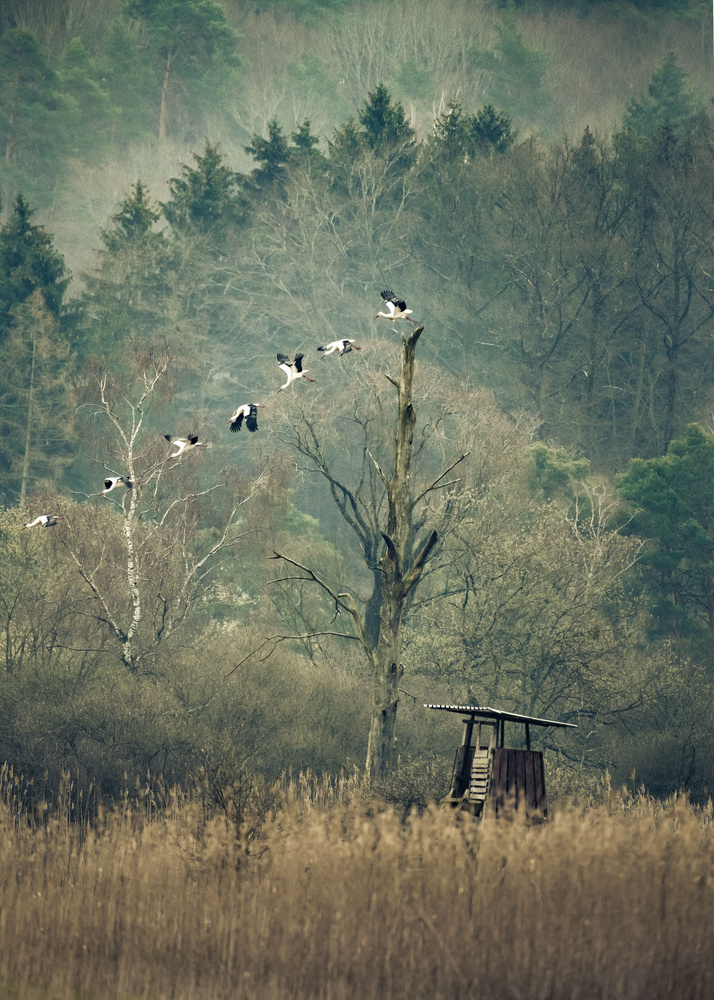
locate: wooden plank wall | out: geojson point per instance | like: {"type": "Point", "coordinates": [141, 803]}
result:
{"type": "Point", "coordinates": [461, 771]}
{"type": "Point", "coordinates": [518, 783]}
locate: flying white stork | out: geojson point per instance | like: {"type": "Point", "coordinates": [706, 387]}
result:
{"type": "Point", "coordinates": [249, 411]}
{"type": "Point", "coordinates": [112, 482]}
{"type": "Point", "coordinates": [343, 346]}
{"type": "Point", "coordinates": [293, 369]}
{"type": "Point", "coordinates": [184, 444]}
{"type": "Point", "coordinates": [397, 308]}
{"type": "Point", "coordinates": [45, 521]}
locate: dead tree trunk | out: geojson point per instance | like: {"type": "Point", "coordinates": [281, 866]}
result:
{"type": "Point", "coordinates": [378, 628]}
{"type": "Point", "coordinates": [400, 573]}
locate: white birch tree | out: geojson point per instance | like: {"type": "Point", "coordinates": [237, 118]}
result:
{"type": "Point", "coordinates": [149, 572]}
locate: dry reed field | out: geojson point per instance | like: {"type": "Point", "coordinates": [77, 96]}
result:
{"type": "Point", "coordinates": [333, 896]}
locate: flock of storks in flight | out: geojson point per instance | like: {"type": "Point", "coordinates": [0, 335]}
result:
{"type": "Point", "coordinates": [293, 370]}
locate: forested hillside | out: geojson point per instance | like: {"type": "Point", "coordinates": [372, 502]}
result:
{"type": "Point", "coordinates": [190, 188]}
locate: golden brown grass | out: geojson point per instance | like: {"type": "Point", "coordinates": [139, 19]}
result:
{"type": "Point", "coordinates": [341, 900]}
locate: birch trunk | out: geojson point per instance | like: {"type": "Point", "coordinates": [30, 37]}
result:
{"type": "Point", "coordinates": [133, 584]}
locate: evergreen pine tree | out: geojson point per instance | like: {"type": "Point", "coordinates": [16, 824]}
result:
{"type": "Point", "coordinates": [272, 154]}
{"type": "Point", "coordinates": [127, 292]}
{"type": "Point", "coordinates": [28, 262]}
{"type": "Point", "coordinates": [206, 199]}
{"type": "Point", "coordinates": [186, 37]}
{"type": "Point", "coordinates": [35, 133]}
{"type": "Point", "coordinates": [668, 101]}
{"type": "Point", "coordinates": [386, 129]}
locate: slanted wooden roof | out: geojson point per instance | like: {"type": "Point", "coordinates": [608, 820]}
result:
{"type": "Point", "coordinates": [497, 715]}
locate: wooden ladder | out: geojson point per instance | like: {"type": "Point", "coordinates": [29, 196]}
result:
{"type": "Point", "coordinates": [480, 778]}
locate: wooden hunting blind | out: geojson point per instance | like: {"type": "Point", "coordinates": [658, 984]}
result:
{"type": "Point", "coordinates": [489, 775]}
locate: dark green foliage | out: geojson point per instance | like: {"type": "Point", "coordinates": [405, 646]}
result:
{"type": "Point", "coordinates": [304, 151]}
{"type": "Point", "coordinates": [626, 10]}
{"type": "Point", "coordinates": [516, 71]}
{"type": "Point", "coordinates": [192, 31]}
{"type": "Point", "coordinates": [131, 85]}
{"type": "Point", "coordinates": [37, 407]}
{"type": "Point", "coordinates": [84, 84]}
{"type": "Point", "coordinates": [187, 38]}
{"type": "Point", "coordinates": [345, 147]}
{"type": "Point", "coordinates": [35, 116]}
{"type": "Point", "coordinates": [668, 180]}
{"type": "Point", "coordinates": [672, 500]}
{"type": "Point", "coordinates": [36, 368]}
{"type": "Point", "coordinates": [415, 79]}
{"type": "Point", "coordinates": [668, 101]}
{"type": "Point", "coordinates": [385, 127]}
{"type": "Point", "coordinates": [206, 200]}
{"type": "Point", "coordinates": [272, 154]}
{"type": "Point", "coordinates": [129, 291]}
{"type": "Point", "coordinates": [28, 263]}
{"type": "Point", "coordinates": [133, 223]}
{"type": "Point", "coordinates": [553, 471]}
{"type": "Point", "coordinates": [458, 134]}
{"type": "Point", "coordinates": [308, 11]}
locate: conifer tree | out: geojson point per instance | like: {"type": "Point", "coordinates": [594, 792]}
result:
{"type": "Point", "coordinates": [28, 263]}
{"type": "Point", "coordinates": [668, 102]}
{"type": "Point", "coordinates": [129, 290]}
{"type": "Point", "coordinates": [272, 155]}
{"type": "Point", "coordinates": [516, 71]}
{"type": "Point", "coordinates": [34, 129]}
{"type": "Point", "coordinates": [305, 149]}
{"type": "Point", "coordinates": [386, 130]}
{"type": "Point", "coordinates": [672, 499]}
{"type": "Point", "coordinates": [36, 401]}
{"type": "Point", "coordinates": [186, 38]}
{"type": "Point", "coordinates": [206, 200]}
{"type": "Point", "coordinates": [84, 85]}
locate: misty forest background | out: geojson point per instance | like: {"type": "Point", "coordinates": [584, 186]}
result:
{"type": "Point", "coordinates": [189, 187]}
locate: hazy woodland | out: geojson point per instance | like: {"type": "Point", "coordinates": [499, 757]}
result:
{"type": "Point", "coordinates": [189, 188]}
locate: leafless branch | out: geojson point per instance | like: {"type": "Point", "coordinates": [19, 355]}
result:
{"type": "Point", "coordinates": [437, 484]}
{"type": "Point", "coordinates": [276, 639]}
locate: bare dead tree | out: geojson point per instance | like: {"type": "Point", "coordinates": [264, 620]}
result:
{"type": "Point", "coordinates": [399, 565]}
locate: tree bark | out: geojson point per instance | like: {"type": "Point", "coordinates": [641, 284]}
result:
{"type": "Point", "coordinates": [28, 428]}
{"type": "Point", "coordinates": [398, 570]}
{"type": "Point", "coordinates": [164, 110]}
{"type": "Point", "coordinates": [397, 578]}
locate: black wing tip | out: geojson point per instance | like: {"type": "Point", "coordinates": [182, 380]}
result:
{"type": "Point", "coordinates": [283, 359]}
{"type": "Point", "coordinates": [169, 437]}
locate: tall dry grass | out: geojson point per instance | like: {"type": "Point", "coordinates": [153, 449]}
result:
{"type": "Point", "coordinates": [337, 898]}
